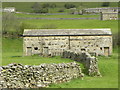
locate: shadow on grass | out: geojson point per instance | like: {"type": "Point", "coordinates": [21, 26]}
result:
{"type": "Point", "coordinates": [15, 56]}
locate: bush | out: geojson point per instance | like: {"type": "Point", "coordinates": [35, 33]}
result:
{"type": "Point", "coordinates": [68, 6]}
{"type": "Point", "coordinates": [49, 26]}
{"type": "Point", "coordinates": [40, 9]}
{"type": "Point", "coordinates": [44, 10]}
{"type": "Point", "coordinates": [53, 5]}
{"type": "Point", "coordinates": [61, 10]}
{"type": "Point", "coordinates": [105, 4]}
{"type": "Point", "coordinates": [10, 24]}
{"type": "Point", "coordinates": [116, 39]}
{"type": "Point", "coordinates": [12, 27]}
{"type": "Point", "coordinates": [45, 5]}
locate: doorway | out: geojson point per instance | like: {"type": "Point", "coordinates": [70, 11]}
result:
{"type": "Point", "coordinates": [45, 51]}
{"type": "Point", "coordinates": [106, 51]}
{"type": "Point", "coordinates": [29, 51]}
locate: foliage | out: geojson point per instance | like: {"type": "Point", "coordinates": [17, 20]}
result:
{"type": "Point", "coordinates": [10, 24]}
{"type": "Point", "coordinates": [26, 26]}
{"type": "Point", "coordinates": [40, 9]}
{"type": "Point", "coordinates": [36, 7]}
{"type": "Point", "coordinates": [116, 39]}
{"type": "Point", "coordinates": [68, 5]}
{"type": "Point", "coordinates": [53, 5]}
{"type": "Point", "coordinates": [12, 27]}
{"type": "Point", "coordinates": [45, 5]}
{"type": "Point", "coordinates": [105, 4]}
{"type": "Point", "coordinates": [61, 10]}
{"type": "Point", "coordinates": [26, 6]}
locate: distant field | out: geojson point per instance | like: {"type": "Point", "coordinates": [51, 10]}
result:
{"type": "Point", "coordinates": [75, 24]}
{"type": "Point", "coordinates": [26, 6]}
{"type": "Point", "coordinates": [12, 53]}
{"type": "Point", "coordinates": [55, 16]}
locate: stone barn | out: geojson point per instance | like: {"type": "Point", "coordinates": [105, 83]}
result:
{"type": "Point", "coordinates": [9, 9]}
{"type": "Point", "coordinates": [102, 9]}
{"type": "Point", "coordinates": [53, 42]}
{"type": "Point", "coordinates": [109, 16]}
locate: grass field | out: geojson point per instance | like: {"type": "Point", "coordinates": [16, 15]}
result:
{"type": "Point", "coordinates": [55, 16]}
{"type": "Point", "coordinates": [12, 53]}
{"type": "Point", "coordinates": [75, 24]}
{"type": "Point", "coordinates": [12, 50]}
{"type": "Point", "coordinates": [26, 6]}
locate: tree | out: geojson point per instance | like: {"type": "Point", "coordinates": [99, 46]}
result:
{"type": "Point", "coordinates": [105, 4]}
{"type": "Point", "coordinates": [45, 5]}
{"type": "Point", "coordinates": [39, 9]}
{"type": "Point", "coordinates": [61, 10]}
{"type": "Point", "coordinates": [10, 24]}
{"type": "Point", "coordinates": [36, 7]}
{"type": "Point", "coordinates": [68, 6]}
{"type": "Point", "coordinates": [53, 5]}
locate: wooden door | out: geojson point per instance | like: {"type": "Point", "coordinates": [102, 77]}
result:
{"type": "Point", "coordinates": [106, 51]}
{"type": "Point", "coordinates": [29, 51]}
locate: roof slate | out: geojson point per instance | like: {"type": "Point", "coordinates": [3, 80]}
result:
{"type": "Point", "coordinates": [60, 32]}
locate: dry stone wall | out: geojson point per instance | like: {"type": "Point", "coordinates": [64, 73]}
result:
{"type": "Point", "coordinates": [90, 62]}
{"type": "Point", "coordinates": [26, 76]}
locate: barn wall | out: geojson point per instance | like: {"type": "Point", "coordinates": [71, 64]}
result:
{"type": "Point", "coordinates": [109, 16]}
{"type": "Point", "coordinates": [56, 45]}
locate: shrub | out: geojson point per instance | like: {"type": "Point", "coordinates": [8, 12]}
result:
{"type": "Point", "coordinates": [116, 39]}
{"type": "Point", "coordinates": [61, 10]}
{"type": "Point", "coordinates": [40, 9]}
{"type": "Point", "coordinates": [10, 24]}
{"type": "Point", "coordinates": [105, 4]}
{"type": "Point", "coordinates": [44, 10]}
{"type": "Point", "coordinates": [45, 5]}
{"type": "Point", "coordinates": [68, 6]}
{"type": "Point", "coordinates": [53, 5]}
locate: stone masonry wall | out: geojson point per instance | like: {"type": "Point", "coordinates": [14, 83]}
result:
{"type": "Point", "coordinates": [56, 45]}
{"type": "Point", "coordinates": [90, 62]}
{"type": "Point", "coordinates": [26, 76]}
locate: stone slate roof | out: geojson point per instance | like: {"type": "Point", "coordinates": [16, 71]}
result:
{"type": "Point", "coordinates": [66, 32]}
{"type": "Point", "coordinates": [103, 8]}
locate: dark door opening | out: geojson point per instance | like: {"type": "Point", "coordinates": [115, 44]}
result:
{"type": "Point", "coordinates": [106, 51]}
{"type": "Point", "coordinates": [45, 51]}
{"type": "Point", "coordinates": [29, 51]}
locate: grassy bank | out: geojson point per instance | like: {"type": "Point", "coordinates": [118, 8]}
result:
{"type": "Point", "coordinates": [55, 16]}
{"type": "Point", "coordinates": [26, 6]}
{"type": "Point", "coordinates": [108, 66]}
{"type": "Point", "coordinates": [75, 24]}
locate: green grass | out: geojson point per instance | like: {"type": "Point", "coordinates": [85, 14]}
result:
{"type": "Point", "coordinates": [13, 53]}
{"type": "Point", "coordinates": [76, 24]}
{"type": "Point", "coordinates": [26, 6]}
{"type": "Point", "coordinates": [108, 66]}
{"type": "Point", "coordinates": [54, 16]}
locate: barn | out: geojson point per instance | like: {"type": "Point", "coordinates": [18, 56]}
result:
{"type": "Point", "coordinates": [53, 42]}
{"type": "Point", "coordinates": [109, 16]}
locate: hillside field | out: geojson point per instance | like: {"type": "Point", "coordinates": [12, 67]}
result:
{"type": "Point", "coordinates": [26, 6]}
{"type": "Point", "coordinates": [12, 48]}
{"type": "Point", "coordinates": [74, 24]}
{"type": "Point", "coordinates": [12, 53]}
